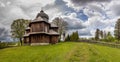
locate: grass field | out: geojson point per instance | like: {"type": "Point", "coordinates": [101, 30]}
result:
{"type": "Point", "coordinates": [61, 52]}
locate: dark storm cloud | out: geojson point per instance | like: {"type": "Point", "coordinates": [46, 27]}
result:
{"type": "Point", "coordinates": [74, 23]}
{"type": "Point", "coordinates": [3, 34]}
{"type": "Point", "coordinates": [60, 5]}
{"type": "Point", "coordinates": [81, 2]}
{"type": "Point", "coordinates": [75, 26]}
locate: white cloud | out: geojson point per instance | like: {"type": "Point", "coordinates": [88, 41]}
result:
{"type": "Point", "coordinates": [53, 13]}
{"type": "Point", "coordinates": [2, 4]}
{"type": "Point", "coordinates": [8, 3]}
{"type": "Point", "coordinates": [109, 29]}
{"type": "Point", "coordinates": [29, 3]}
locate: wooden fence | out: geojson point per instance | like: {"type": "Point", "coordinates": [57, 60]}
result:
{"type": "Point", "coordinates": [114, 45]}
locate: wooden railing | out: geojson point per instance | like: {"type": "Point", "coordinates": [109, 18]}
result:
{"type": "Point", "coordinates": [110, 44]}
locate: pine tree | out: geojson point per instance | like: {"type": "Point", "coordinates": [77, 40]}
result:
{"type": "Point", "coordinates": [101, 34]}
{"type": "Point", "coordinates": [76, 36]}
{"type": "Point", "coordinates": [104, 35]}
{"type": "Point", "coordinates": [117, 30]}
{"type": "Point", "coordinates": [72, 36]}
{"type": "Point", "coordinates": [97, 34]}
{"type": "Point", "coordinates": [67, 38]}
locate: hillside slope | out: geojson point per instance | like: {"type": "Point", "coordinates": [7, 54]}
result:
{"type": "Point", "coordinates": [61, 52]}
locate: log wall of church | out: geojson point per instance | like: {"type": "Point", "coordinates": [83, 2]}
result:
{"type": "Point", "coordinates": [40, 27]}
{"type": "Point", "coordinates": [54, 39]}
{"type": "Point", "coordinates": [26, 40]}
{"type": "Point", "coordinates": [39, 39]}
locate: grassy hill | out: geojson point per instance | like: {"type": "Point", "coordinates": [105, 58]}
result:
{"type": "Point", "coordinates": [61, 52]}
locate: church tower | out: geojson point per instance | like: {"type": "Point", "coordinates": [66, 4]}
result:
{"type": "Point", "coordinates": [40, 31]}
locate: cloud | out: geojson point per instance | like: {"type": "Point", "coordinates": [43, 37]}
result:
{"type": "Point", "coordinates": [114, 8]}
{"type": "Point", "coordinates": [91, 13]}
{"type": "Point", "coordinates": [76, 24]}
{"type": "Point", "coordinates": [84, 32]}
{"type": "Point", "coordinates": [21, 9]}
{"type": "Point", "coordinates": [100, 14]}
{"type": "Point", "coordinates": [15, 9]}
{"type": "Point", "coordinates": [81, 32]}
{"type": "Point", "coordinates": [73, 22]}
{"type": "Point", "coordinates": [57, 9]}
{"type": "Point", "coordinates": [88, 1]}
{"type": "Point", "coordinates": [3, 33]}
{"type": "Point", "coordinates": [79, 4]}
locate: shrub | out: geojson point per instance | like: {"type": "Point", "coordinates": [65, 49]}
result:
{"type": "Point", "coordinates": [3, 45]}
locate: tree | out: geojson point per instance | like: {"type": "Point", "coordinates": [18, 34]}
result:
{"type": "Point", "coordinates": [74, 36]}
{"type": "Point", "coordinates": [109, 37]}
{"type": "Point", "coordinates": [104, 35]}
{"type": "Point", "coordinates": [101, 34]}
{"type": "Point", "coordinates": [62, 25]}
{"type": "Point", "coordinates": [117, 30]}
{"type": "Point", "coordinates": [67, 38]}
{"type": "Point", "coordinates": [18, 28]}
{"type": "Point", "coordinates": [109, 34]}
{"type": "Point", "coordinates": [97, 34]}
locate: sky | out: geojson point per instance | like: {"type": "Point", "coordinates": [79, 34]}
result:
{"type": "Point", "coordinates": [84, 16]}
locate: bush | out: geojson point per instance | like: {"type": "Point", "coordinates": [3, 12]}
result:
{"type": "Point", "coordinates": [6, 44]}
{"type": "Point", "coordinates": [3, 45]}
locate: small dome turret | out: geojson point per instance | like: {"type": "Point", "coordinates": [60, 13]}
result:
{"type": "Point", "coordinates": [42, 15]}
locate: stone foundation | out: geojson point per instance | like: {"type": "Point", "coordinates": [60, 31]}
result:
{"type": "Point", "coordinates": [32, 44]}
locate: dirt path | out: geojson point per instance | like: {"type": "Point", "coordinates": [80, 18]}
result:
{"type": "Point", "coordinates": [80, 53]}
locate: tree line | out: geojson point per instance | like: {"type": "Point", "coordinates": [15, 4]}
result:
{"type": "Point", "coordinates": [103, 35]}
{"type": "Point", "coordinates": [73, 37]}
{"type": "Point", "coordinates": [107, 36]}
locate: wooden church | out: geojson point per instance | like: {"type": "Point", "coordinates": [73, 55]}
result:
{"type": "Point", "coordinates": [40, 31]}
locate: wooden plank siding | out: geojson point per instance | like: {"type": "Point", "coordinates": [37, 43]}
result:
{"type": "Point", "coordinates": [54, 39]}
{"type": "Point", "coordinates": [39, 39]}
{"type": "Point", "coordinates": [39, 27]}
{"type": "Point", "coordinates": [41, 32]}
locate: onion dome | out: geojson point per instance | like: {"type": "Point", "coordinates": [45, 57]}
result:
{"type": "Point", "coordinates": [42, 15]}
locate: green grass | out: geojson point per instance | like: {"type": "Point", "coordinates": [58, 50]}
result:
{"type": "Point", "coordinates": [61, 52]}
